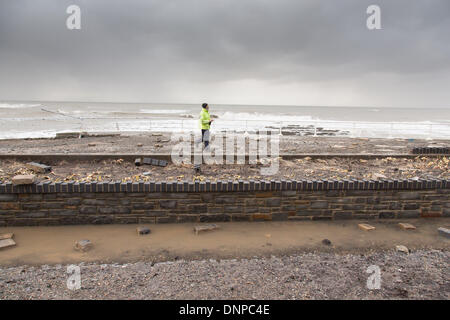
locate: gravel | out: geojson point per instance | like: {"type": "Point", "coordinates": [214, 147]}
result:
{"type": "Point", "coordinates": [423, 274]}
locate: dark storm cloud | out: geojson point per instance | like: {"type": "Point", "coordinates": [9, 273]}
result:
{"type": "Point", "coordinates": [236, 51]}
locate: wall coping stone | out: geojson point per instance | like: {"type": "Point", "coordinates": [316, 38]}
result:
{"type": "Point", "coordinates": [222, 186]}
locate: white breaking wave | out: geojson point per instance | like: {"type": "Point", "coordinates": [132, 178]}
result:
{"type": "Point", "coordinates": [163, 111]}
{"type": "Point", "coordinates": [256, 116]}
{"type": "Point", "coordinates": [18, 105]}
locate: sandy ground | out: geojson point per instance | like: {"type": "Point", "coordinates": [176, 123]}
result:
{"type": "Point", "coordinates": [304, 168]}
{"type": "Point", "coordinates": [161, 143]}
{"type": "Point", "coordinates": [120, 243]}
{"type": "Point", "coordinates": [264, 260]}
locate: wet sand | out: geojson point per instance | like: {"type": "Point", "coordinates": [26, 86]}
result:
{"type": "Point", "coordinates": [122, 244]}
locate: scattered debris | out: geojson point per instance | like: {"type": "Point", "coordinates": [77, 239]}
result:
{"type": "Point", "coordinates": [401, 248]}
{"type": "Point", "coordinates": [23, 179]}
{"type": "Point", "coordinates": [406, 226]}
{"type": "Point", "coordinates": [83, 245]}
{"type": "Point", "coordinates": [143, 230]}
{"type": "Point", "coordinates": [326, 242]}
{"type": "Point", "coordinates": [7, 243]}
{"type": "Point", "coordinates": [366, 227]}
{"type": "Point", "coordinates": [444, 232]}
{"type": "Point", "coordinates": [207, 227]}
{"type": "Point", "coordinates": [38, 167]}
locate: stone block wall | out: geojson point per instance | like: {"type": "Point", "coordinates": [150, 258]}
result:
{"type": "Point", "coordinates": [176, 202]}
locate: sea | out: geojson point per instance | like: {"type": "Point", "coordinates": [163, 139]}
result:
{"type": "Point", "coordinates": [44, 119]}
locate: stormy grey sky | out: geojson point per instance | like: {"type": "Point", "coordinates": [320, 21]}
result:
{"type": "Point", "coordinates": [298, 52]}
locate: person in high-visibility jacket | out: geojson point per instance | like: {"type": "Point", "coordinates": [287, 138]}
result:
{"type": "Point", "coordinates": [205, 123]}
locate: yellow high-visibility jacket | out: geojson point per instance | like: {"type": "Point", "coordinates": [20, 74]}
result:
{"type": "Point", "coordinates": [204, 119]}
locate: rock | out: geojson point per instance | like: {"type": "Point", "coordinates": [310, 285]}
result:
{"type": "Point", "coordinates": [148, 173]}
{"type": "Point", "coordinates": [91, 144]}
{"type": "Point", "coordinates": [156, 134]}
{"type": "Point", "coordinates": [140, 145]}
{"type": "Point", "coordinates": [406, 226]}
{"type": "Point", "coordinates": [401, 248]}
{"type": "Point", "coordinates": [83, 245]}
{"type": "Point", "coordinates": [143, 230]}
{"type": "Point", "coordinates": [207, 227]}
{"type": "Point", "coordinates": [444, 232]}
{"type": "Point", "coordinates": [24, 179]}
{"type": "Point", "coordinates": [326, 242]}
{"type": "Point", "coordinates": [6, 236]}
{"type": "Point", "coordinates": [366, 227]}
{"type": "Point", "coordinates": [38, 167]}
{"type": "Point", "coordinates": [7, 243]}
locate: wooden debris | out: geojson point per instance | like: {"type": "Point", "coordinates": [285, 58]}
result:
{"type": "Point", "coordinates": [207, 227]}
{"type": "Point", "coordinates": [406, 226]}
{"type": "Point", "coordinates": [366, 227]}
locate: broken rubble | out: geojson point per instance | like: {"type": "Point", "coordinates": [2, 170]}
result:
{"type": "Point", "coordinates": [6, 236]}
{"type": "Point", "coordinates": [444, 232]}
{"type": "Point", "coordinates": [83, 245]}
{"type": "Point", "coordinates": [24, 179]}
{"type": "Point", "coordinates": [366, 227]}
{"type": "Point", "coordinates": [38, 167]}
{"type": "Point", "coordinates": [143, 230]}
{"type": "Point", "coordinates": [7, 243]}
{"type": "Point", "coordinates": [208, 227]}
{"type": "Point", "coordinates": [406, 226]}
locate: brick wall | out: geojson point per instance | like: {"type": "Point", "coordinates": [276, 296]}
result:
{"type": "Point", "coordinates": [164, 202]}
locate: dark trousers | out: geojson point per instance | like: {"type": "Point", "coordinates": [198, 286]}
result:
{"type": "Point", "coordinates": [205, 137]}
